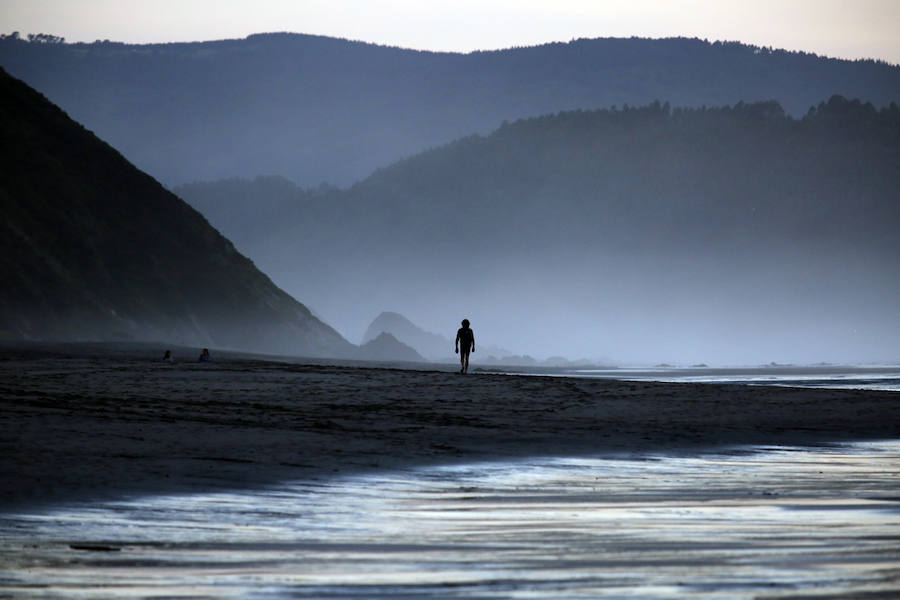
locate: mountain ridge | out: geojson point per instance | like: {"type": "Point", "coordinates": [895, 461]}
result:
{"type": "Point", "coordinates": [318, 109]}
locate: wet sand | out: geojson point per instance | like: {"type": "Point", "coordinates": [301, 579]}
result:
{"type": "Point", "coordinates": [783, 522]}
{"type": "Point", "coordinates": [123, 476]}
{"type": "Point", "coordinates": [102, 422]}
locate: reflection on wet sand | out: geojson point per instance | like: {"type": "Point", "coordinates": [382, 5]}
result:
{"type": "Point", "coordinates": [761, 522]}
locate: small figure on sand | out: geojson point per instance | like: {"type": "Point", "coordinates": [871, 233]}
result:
{"type": "Point", "coordinates": [167, 357]}
{"type": "Point", "coordinates": [465, 342]}
{"type": "Point", "coordinates": [204, 356]}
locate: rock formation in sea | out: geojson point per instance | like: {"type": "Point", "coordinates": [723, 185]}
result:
{"type": "Point", "coordinates": [430, 345]}
{"type": "Point", "coordinates": [385, 347]}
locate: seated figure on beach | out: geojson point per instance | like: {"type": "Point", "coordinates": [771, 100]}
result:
{"type": "Point", "coordinates": [204, 356]}
{"type": "Point", "coordinates": [465, 342]}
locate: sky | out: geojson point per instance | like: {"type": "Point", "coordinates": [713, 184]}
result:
{"type": "Point", "coordinates": [837, 28]}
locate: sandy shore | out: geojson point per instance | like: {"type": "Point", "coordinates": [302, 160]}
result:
{"type": "Point", "coordinates": [101, 421]}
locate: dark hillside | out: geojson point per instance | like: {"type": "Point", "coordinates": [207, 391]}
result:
{"type": "Point", "coordinates": [316, 109]}
{"type": "Point", "coordinates": [93, 249]}
{"type": "Point", "coordinates": [592, 231]}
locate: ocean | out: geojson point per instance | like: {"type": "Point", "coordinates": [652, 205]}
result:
{"type": "Point", "coordinates": [868, 377]}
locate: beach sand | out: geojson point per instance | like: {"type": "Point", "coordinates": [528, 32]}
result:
{"type": "Point", "coordinates": [95, 421]}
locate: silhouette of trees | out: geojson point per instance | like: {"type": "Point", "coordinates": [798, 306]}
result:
{"type": "Point", "coordinates": [34, 38]}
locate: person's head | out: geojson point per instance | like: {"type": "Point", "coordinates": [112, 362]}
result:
{"type": "Point", "coordinates": [465, 322]}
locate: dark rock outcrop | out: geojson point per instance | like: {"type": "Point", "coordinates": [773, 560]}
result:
{"type": "Point", "coordinates": [386, 347]}
{"type": "Point", "coordinates": [429, 345]}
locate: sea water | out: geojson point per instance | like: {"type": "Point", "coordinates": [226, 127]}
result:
{"type": "Point", "coordinates": [745, 523]}
{"type": "Point", "coordinates": [875, 377]}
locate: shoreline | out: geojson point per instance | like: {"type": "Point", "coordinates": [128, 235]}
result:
{"type": "Point", "coordinates": [107, 423]}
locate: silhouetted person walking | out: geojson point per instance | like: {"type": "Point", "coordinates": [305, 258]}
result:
{"type": "Point", "coordinates": [465, 342]}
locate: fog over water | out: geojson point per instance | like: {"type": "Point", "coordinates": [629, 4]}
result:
{"type": "Point", "coordinates": [730, 236]}
{"type": "Point", "coordinates": [629, 311]}
{"type": "Point", "coordinates": [632, 313]}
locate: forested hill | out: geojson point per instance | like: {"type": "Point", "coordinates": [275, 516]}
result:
{"type": "Point", "coordinates": [747, 171]}
{"type": "Point", "coordinates": [649, 226]}
{"type": "Point", "coordinates": [316, 109]}
{"type": "Point", "coordinates": [93, 249]}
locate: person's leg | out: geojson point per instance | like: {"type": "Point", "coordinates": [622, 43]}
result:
{"type": "Point", "coordinates": [466, 365]}
{"type": "Point", "coordinates": [462, 360]}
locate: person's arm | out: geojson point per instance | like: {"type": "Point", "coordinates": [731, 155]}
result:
{"type": "Point", "coordinates": [473, 341]}
{"type": "Point", "coordinates": [456, 346]}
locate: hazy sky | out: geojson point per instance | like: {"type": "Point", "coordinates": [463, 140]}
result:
{"type": "Point", "coordinates": [839, 28]}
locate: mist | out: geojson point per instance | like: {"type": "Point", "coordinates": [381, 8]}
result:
{"type": "Point", "coordinates": [635, 312]}
{"type": "Point", "coordinates": [731, 236]}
